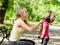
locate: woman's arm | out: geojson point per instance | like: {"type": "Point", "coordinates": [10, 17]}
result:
{"type": "Point", "coordinates": [27, 23]}
{"type": "Point", "coordinates": [25, 26]}
{"type": "Point", "coordinates": [37, 24]}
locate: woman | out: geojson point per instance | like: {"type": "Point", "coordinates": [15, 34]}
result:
{"type": "Point", "coordinates": [20, 26]}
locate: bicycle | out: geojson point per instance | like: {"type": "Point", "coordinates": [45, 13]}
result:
{"type": "Point", "coordinates": [4, 31]}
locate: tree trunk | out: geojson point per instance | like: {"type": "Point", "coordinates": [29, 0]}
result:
{"type": "Point", "coordinates": [3, 10]}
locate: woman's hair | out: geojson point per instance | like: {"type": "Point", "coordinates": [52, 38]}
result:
{"type": "Point", "coordinates": [20, 12]}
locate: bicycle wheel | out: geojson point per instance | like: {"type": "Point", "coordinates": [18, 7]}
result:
{"type": "Point", "coordinates": [1, 36]}
{"type": "Point", "coordinates": [26, 42]}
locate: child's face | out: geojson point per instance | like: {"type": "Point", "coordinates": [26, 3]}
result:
{"type": "Point", "coordinates": [52, 18]}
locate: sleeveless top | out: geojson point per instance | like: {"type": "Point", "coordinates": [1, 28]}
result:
{"type": "Point", "coordinates": [16, 33]}
{"type": "Point", "coordinates": [46, 26]}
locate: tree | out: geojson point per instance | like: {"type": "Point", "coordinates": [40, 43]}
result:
{"type": "Point", "coordinates": [3, 10]}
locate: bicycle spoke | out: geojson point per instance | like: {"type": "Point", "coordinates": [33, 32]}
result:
{"type": "Point", "coordinates": [1, 36]}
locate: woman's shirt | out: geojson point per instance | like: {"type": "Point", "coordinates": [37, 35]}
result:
{"type": "Point", "coordinates": [16, 33]}
{"type": "Point", "coordinates": [46, 26]}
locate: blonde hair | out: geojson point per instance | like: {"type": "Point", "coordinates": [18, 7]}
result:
{"type": "Point", "coordinates": [20, 12]}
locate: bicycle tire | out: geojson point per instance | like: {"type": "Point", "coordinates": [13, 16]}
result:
{"type": "Point", "coordinates": [1, 36]}
{"type": "Point", "coordinates": [27, 41]}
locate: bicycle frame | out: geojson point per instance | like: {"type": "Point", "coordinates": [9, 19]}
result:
{"type": "Point", "coordinates": [4, 32]}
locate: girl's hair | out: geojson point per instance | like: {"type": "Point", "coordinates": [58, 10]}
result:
{"type": "Point", "coordinates": [48, 17]}
{"type": "Point", "coordinates": [19, 12]}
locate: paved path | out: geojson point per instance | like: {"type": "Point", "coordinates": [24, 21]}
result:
{"type": "Point", "coordinates": [54, 37]}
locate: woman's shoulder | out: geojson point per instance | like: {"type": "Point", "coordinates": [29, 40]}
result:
{"type": "Point", "coordinates": [19, 20]}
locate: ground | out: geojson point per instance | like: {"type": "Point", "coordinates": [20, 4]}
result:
{"type": "Point", "coordinates": [54, 37]}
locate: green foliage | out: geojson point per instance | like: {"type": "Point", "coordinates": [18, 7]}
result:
{"type": "Point", "coordinates": [36, 8]}
{"type": "Point", "coordinates": [10, 10]}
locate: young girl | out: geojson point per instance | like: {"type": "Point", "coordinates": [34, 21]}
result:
{"type": "Point", "coordinates": [44, 32]}
{"type": "Point", "coordinates": [20, 26]}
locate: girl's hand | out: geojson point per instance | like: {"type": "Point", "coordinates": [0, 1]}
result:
{"type": "Point", "coordinates": [41, 36]}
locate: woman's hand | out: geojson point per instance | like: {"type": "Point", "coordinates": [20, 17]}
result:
{"type": "Point", "coordinates": [41, 21]}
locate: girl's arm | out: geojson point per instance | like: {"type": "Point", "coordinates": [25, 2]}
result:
{"type": "Point", "coordinates": [43, 32]}
{"type": "Point", "coordinates": [44, 29]}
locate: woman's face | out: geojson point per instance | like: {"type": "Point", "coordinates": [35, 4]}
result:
{"type": "Point", "coordinates": [25, 13]}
